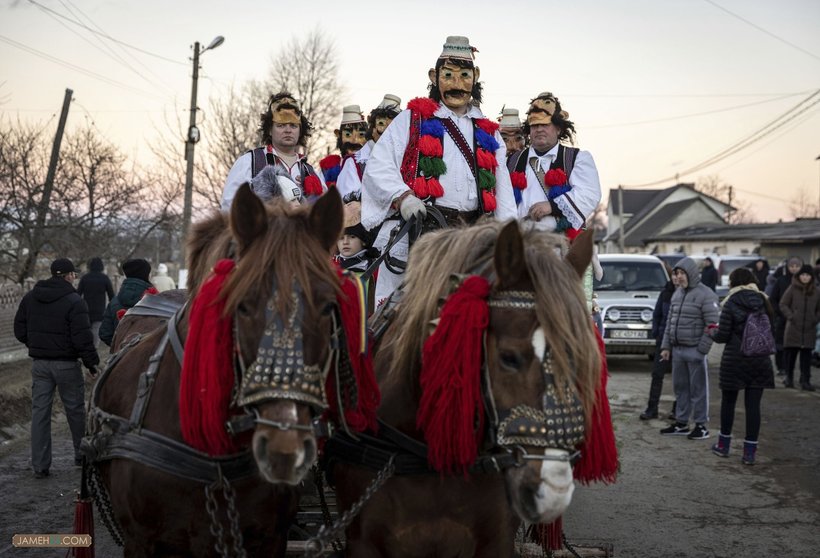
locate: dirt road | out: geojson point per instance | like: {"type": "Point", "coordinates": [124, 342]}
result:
{"type": "Point", "coordinates": [674, 499]}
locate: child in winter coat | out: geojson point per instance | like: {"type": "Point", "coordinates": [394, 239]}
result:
{"type": "Point", "coordinates": [752, 374]}
{"type": "Point", "coordinates": [800, 306]}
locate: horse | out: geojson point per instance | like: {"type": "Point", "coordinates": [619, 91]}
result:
{"type": "Point", "coordinates": [152, 312]}
{"type": "Point", "coordinates": [520, 390]}
{"type": "Point", "coordinates": [273, 295]}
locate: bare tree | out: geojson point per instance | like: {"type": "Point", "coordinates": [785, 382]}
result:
{"type": "Point", "coordinates": [308, 67]}
{"type": "Point", "coordinates": [712, 185]}
{"type": "Point", "coordinates": [804, 205]}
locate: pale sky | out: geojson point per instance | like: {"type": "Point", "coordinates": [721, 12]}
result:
{"type": "Point", "coordinates": [636, 76]}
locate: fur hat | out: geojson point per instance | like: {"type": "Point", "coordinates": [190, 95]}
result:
{"type": "Point", "coordinates": [275, 182]}
{"type": "Point", "coordinates": [61, 267]}
{"type": "Point", "coordinates": [353, 223]}
{"type": "Point", "coordinates": [138, 269]}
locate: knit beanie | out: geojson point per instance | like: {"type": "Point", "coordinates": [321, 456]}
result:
{"type": "Point", "coordinates": [138, 269]}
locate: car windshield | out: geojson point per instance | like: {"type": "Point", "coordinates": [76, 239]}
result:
{"type": "Point", "coordinates": [728, 265]}
{"type": "Point", "coordinates": [631, 276]}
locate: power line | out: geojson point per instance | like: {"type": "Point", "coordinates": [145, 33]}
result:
{"type": "Point", "coordinates": [761, 29]}
{"type": "Point", "coordinates": [74, 67]}
{"type": "Point", "coordinates": [690, 115]}
{"type": "Point", "coordinates": [109, 37]}
{"type": "Point", "coordinates": [756, 136]}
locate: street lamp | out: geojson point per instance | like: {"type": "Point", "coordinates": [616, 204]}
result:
{"type": "Point", "coordinates": [190, 141]}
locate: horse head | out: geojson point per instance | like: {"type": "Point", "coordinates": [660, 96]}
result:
{"type": "Point", "coordinates": [282, 295]}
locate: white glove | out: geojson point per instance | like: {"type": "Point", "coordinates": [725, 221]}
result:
{"type": "Point", "coordinates": [410, 206]}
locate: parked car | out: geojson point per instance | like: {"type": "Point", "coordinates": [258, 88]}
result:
{"type": "Point", "coordinates": [670, 259]}
{"type": "Point", "coordinates": [627, 293]}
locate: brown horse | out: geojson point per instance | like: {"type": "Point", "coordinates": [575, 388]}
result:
{"type": "Point", "coordinates": [538, 347]}
{"type": "Point", "coordinates": [280, 290]}
{"type": "Point", "coordinates": [152, 313]}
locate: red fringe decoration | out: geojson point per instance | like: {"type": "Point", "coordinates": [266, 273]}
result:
{"type": "Point", "coordinates": [121, 312]}
{"type": "Point", "coordinates": [519, 180]}
{"type": "Point", "coordinates": [489, 201]}
{"type": "Point", "coordinates": [149, 291]}
{"type": "Point", "coordinates": [420, 187]}
{"type": "Point", "coordinates": [485, 159]}
{"type": "Point", "coordinates": [330, 161]}
{"type": "Point", "coordinates": [430, 146]}
{"type": "Point", "coordinates": [450, 379]}
{"type": "Point", "coordinates": [555, 177]}
{"type": "Point", "coordinates": [363, 416]}
{"type": "Point", "coordinates": [83, 525]}
{"type": "Point", "coordinates": [550, 536]}
{"type": "Point", "coordinates": [599, 455]}
{"type": "Point", "coordinates": [207, 369]}
{"type": "Point", "coordinates": [424, 106]}
{"type": "Point", "coordinates": [313, 186]}
{"type": "Point", "coordinates": [487, 125]}
{"type": "Point", "coordinates": [434, 187]}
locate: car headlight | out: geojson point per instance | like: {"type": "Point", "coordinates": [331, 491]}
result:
{"type": "Point", "coordinates": [646, 315]}
{"type": "Point", "coordinates": [614, 314]}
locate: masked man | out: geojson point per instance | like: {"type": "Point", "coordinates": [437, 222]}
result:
{"type": "Point", "coordinates": [284, 131]}
{"type": "Point", "coordinates": [512, 130]}
{"type": "Point", "coordinates": [350, 177]}
{"type": "Point", "coordinates": [441, 151]}
{"type": "Point", "coordinates": [350, 138]}
{"type": "Point", "coordinates": [559, 183]}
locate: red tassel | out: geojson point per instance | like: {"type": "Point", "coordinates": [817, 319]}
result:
{"type": "Point", "coordinates": [121, 312]}
{"type": "Point", "coordinates": [519, 180]}
{"type": "Point", "coordinates": [430, 146]}
{"type": "Point", "coordinates": [487, 125]}
{"type": "Point", "coordinates": [420, 188]}
{"type": "Point", "coordinates": [434, 187]}
{"type": "Point", "coordinates": [599, 455]}
{"type": "Point", "coordinates": [207, 369]}
{"type": "Point", "coordinates": [330, 161]}
{"type": "Point", "coordinates": [572, 233]}
{"type": "Point", "coordinates": [489, 201]}
{"type": "Point", "coordinates": [83, 525]}
{"type": "Point", "coordinates": [555, 177]}
{"type": "Point", "coordinates": [451, 413]}
{"type": "Point", "coordinates": [423, 106]}
{"type": "Point", "coordinates": [353, 309]}
{"type": "Point", "coordinates": [485, 159]}
{"type": "Point", "coordinates": [313, 186]}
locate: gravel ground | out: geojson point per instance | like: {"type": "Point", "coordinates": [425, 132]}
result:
{"type": "Point", "coordinates": [673, 498]}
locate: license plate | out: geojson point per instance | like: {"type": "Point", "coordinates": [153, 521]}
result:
{"type": "Point", "coordinates": [628, 334]}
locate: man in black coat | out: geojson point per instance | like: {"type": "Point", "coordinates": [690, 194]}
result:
{"type": "Point", "coordinates": [782, 283]}
{"type": "Point", "coordinates": [709, 275]}
{"type": "Point", "coordinates": [52, 321]}
{"type": "Point", "coordinates": [96, 289]}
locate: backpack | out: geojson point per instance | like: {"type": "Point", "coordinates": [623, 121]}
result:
{"type": "Point", "coordinates": [757, 340]}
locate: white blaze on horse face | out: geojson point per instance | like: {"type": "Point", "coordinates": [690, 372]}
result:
{"type": "Point", "coordinates": [555, 492]}
{"type": "Point", "coordinates": [539, 344]}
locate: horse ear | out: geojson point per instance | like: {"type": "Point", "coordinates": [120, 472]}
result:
{"type": "Point", "coordinates": [326, 219]}
{"type": "Point", "coordinates": [249, 220]}
{"type": "Point", "coordinates": [580, 251]}
{"type": "Point", "coordinates": [510, 264]}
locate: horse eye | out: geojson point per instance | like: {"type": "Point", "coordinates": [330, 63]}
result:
{"type": "Point", "coordinates": [510, 359]}
{"type": "Point", "coordinates": [242, 308]}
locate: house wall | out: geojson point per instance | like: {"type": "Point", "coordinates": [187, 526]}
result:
{"type": "Point", "coordinates": [702, 247]}
{"type": "Point", "coordinates": [776, 252]}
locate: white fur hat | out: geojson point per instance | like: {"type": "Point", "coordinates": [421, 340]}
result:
{"type": "Point", "coordinates": [458, 47]}
{"type": "Point", "coordinates": [352, 114]}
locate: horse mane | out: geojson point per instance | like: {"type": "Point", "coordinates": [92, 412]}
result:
{"type": "Point", "coordinates": [560, 306]}
{"type": "Point", "coordinates": [287, 252]}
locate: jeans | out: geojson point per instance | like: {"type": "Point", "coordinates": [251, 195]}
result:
{"type": "Point", "coordinates": [67, 378]}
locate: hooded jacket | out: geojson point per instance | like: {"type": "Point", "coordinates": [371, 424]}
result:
{"type": "Point", "coordinates": [738, 371]}
{"type": "Point", "coordinates": [690, 311]}
{"type": "Point", "coordinates": [95, 288]}
{"type": "Point", "coordinates": [52, 321]}
{"type": "Point", "coordinates": [800, 306]}
{"type": "Point", "coordinates": [130, 293]}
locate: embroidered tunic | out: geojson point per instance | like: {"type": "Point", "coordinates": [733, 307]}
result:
{"type": "Point", "coordinates": [349, 180]}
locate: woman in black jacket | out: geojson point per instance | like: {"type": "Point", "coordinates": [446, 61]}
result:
{"type": "Point", "coordinates": [737, 371]}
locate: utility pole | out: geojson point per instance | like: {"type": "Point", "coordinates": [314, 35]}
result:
{"type": "Point", "coordinates": [48, 187]}
{"type": "Point", "coordinates": [190, 142]}
{"type": "Point", "coordinates": [621, 218]}
{"type": "Point", "coordinates": [729, 216]}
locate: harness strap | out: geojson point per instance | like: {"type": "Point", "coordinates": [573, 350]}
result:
{"type": "Point", "coordinates": [146, 384]}
{"type": "Point", "coordinates": [173, 335]}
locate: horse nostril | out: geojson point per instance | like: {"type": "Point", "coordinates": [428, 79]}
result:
{"type": "Point", "coordinates": [310, 450]}
{"type": "Point", "coordinates": [260, 446]}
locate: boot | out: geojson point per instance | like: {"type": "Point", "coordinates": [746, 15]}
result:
{"type": "Point", "coordinates": [721, 448]}
{"type": "Point", "coordinates": [788, 381]}
{"type": "Point", "coordinates": [749, 451]}
{"type": "Point", "coordinates": [805, 384]}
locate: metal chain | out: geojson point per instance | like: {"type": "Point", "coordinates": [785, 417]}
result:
{"type": "Point", "coordinates": [233, 516]}
{"type": "Point", "coordinates": [100, 495]}
{"type": "Point", "coordinates": [212, 507]}
{"type": "Point", "coordinates": [317, 478]}
{"type": "Point", "coordinates": [317, 545]}
{"type": "Point", "coordinates": [568, 547]}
